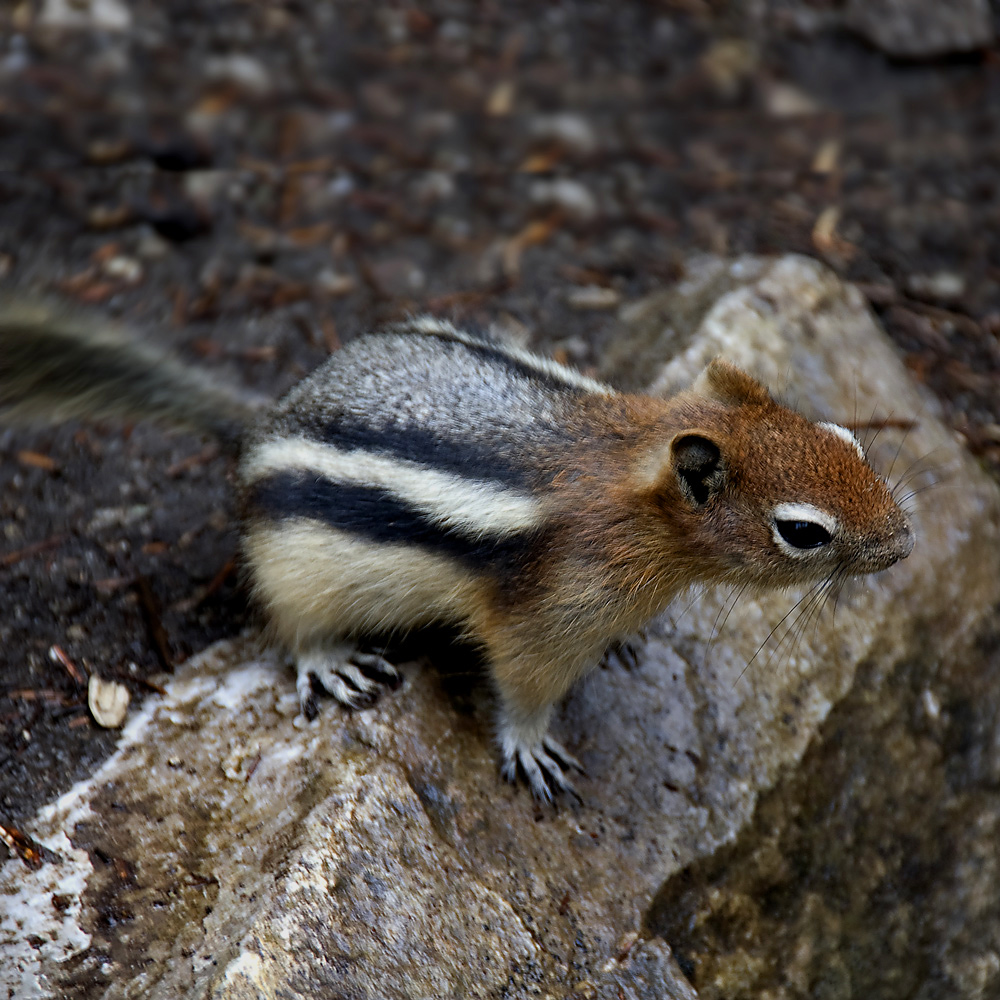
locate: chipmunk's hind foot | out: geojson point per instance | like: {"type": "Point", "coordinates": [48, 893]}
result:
{"type": "Point", "coordinates": [353, 676]}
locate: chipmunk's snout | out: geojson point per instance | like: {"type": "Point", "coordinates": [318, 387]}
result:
{"type": "Point", "coordinates": [904, 540]}
{"type": "Point", "coordinates": [896, 544]}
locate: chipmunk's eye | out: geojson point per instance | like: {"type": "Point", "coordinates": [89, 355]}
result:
{"type": "Point", "coordinates": [803, 534]}
{"type": "Point", "coordinates": [801, 528]}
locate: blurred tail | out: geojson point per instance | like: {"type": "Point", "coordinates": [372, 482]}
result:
{"type": "Point", "coordinates": [58, 365]}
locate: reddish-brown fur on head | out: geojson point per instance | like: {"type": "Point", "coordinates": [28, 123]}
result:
{"type": "Point", "coordinates": [724, 484]}
{"type": "Point", "coordinates": [781, 499]}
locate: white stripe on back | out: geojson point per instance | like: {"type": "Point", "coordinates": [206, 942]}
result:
{"type": "Point", "coordinates": [474, 507]}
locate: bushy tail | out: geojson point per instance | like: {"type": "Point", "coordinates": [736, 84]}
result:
{"type": "Point", "coordinates": [58, 365]}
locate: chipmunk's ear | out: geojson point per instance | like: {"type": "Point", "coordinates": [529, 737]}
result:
{"type": "Point", "coordinates": [725, 383]}
{"type": "Point", "coordinates": [697, 463]}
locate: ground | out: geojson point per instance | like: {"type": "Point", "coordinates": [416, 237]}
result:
{"type": "Point", "coordinates": [254, 184]}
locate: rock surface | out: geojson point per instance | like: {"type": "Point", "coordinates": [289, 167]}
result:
{"type": "Point", "coordinates": [224, 851]}
{"type": "Point", "coordinates": [922, 29]}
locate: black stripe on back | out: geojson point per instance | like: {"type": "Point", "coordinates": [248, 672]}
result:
{"type": "Point", "coordinates": [494, 353]}
{"type": "Point", "coordinates": [373, 513]}
{"type": "Point", "coordinates": [417, 444]}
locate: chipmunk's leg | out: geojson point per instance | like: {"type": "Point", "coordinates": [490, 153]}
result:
{"type": "Point", "coordinates": [308, 579]}
{"type": "Point", "coordinates": [528, 690]}
{"type": "Point", "coordinates": [352, 675]}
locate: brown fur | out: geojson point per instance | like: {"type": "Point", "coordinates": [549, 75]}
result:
{"type": "Point", "coordinates": [627, 540]}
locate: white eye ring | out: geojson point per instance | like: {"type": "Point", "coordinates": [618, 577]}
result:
{"type": "Point", "coordinates": [801, 512]}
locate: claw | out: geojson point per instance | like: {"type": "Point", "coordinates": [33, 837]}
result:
{"type": "Point", "coordinates": [561, 754]}
{"type": "Point", "coordinates": [626, 652]}
{"type": "Point", "coordinates": [349, 672]}
{"type": "Point", "coordinates": [344, 673]}
{"type": "Point", "coordinates": [307, 697]}
{"type": "Point", "coordinates": [543, 767]}
{"type": "Point", "coordinates": [376, 663]}
{"type": "Point", "coordinates": [554, 775]}
{"type": "Point", "coordinates": [536, 779]}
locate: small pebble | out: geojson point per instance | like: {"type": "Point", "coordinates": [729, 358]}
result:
{"type": "Point", "coordinates": [246, 72]}
{"type": "Point", "coordinates": [501, 99]}
{"type": "Point", "coordinates": [397, 277]}
{"type": "Point", "coordinates": [571, 196]}
{"type": "Point", "coordinates": [123, 268]}
{"type": "Point", "coordinates": [571, 131]}
{"type": "Point", "coordinates": [331, 283]}
{"type": "Point", "coordinates": [943, 286]}
{"type": "Point", "coordinates": [729, 63]}
{"type": "Point", "coordinates": [592, 297]}
{"type": "Point", "coordinates": [782, 100]}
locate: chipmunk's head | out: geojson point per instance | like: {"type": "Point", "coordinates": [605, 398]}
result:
{"type": "Point", "coordinates": [779, 500]}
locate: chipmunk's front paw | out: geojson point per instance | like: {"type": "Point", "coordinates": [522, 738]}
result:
{"type": "Point", "coordinates": [353, 677]}
{"type": "Point", "coordinates": [543, 765]}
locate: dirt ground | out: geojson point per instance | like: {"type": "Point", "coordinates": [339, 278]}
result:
{"type": "Point", "coordinates": [254, 184]}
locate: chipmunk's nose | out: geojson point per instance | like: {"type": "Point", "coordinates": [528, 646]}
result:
{"type": "Point", "coordinates": [904, 540]}
{"type": "Point", "coordinates": [889, 547]}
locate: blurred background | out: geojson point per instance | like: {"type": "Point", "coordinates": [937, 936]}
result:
{"type": "Point", "coordinates": [254, 183]}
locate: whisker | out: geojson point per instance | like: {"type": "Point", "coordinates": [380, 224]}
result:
{"type": "Point", "coordinates": [731, 601]}
{"type": "Point", "coordinates": [808, 614]}
{"type": "Point", "coordinates": [918, 467]}
{"type": "Point", "coordinates": [699, 593]}
{"type": "Point", "coordinates": [878, 430]}
{"type": "Point", "coordinates": [916, 491]}
{"type": "Point", "coordinates": [904, 487]}
{"type": "Point", "coordinates": [899, 449]}
{"type": "Point", "coordinates": [807, 611]}
{"type": "Point", "coordinates": [840, 579]}
{"type": "Point", "coordinates": [812, 590]}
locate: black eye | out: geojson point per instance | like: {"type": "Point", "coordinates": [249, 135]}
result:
{"type": "Point", "coordinates": [804, 534]}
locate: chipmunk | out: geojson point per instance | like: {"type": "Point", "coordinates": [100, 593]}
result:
{"type": "Point", "coordinates": [427, 475]}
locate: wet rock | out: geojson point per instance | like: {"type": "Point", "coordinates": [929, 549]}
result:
{"type": "Point", "coordinates": [377, 854]}
{"type": "Point", "coordinates": [922, 29]}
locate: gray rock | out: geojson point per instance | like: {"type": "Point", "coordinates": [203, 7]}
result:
{"type": "Point", "coordinates": [922, 29]}
{"type": "Point", "coordinates": [224, 851]}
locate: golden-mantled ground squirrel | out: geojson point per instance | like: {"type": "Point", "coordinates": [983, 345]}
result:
{"type": "Point", "coordinates": [425, 475]}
